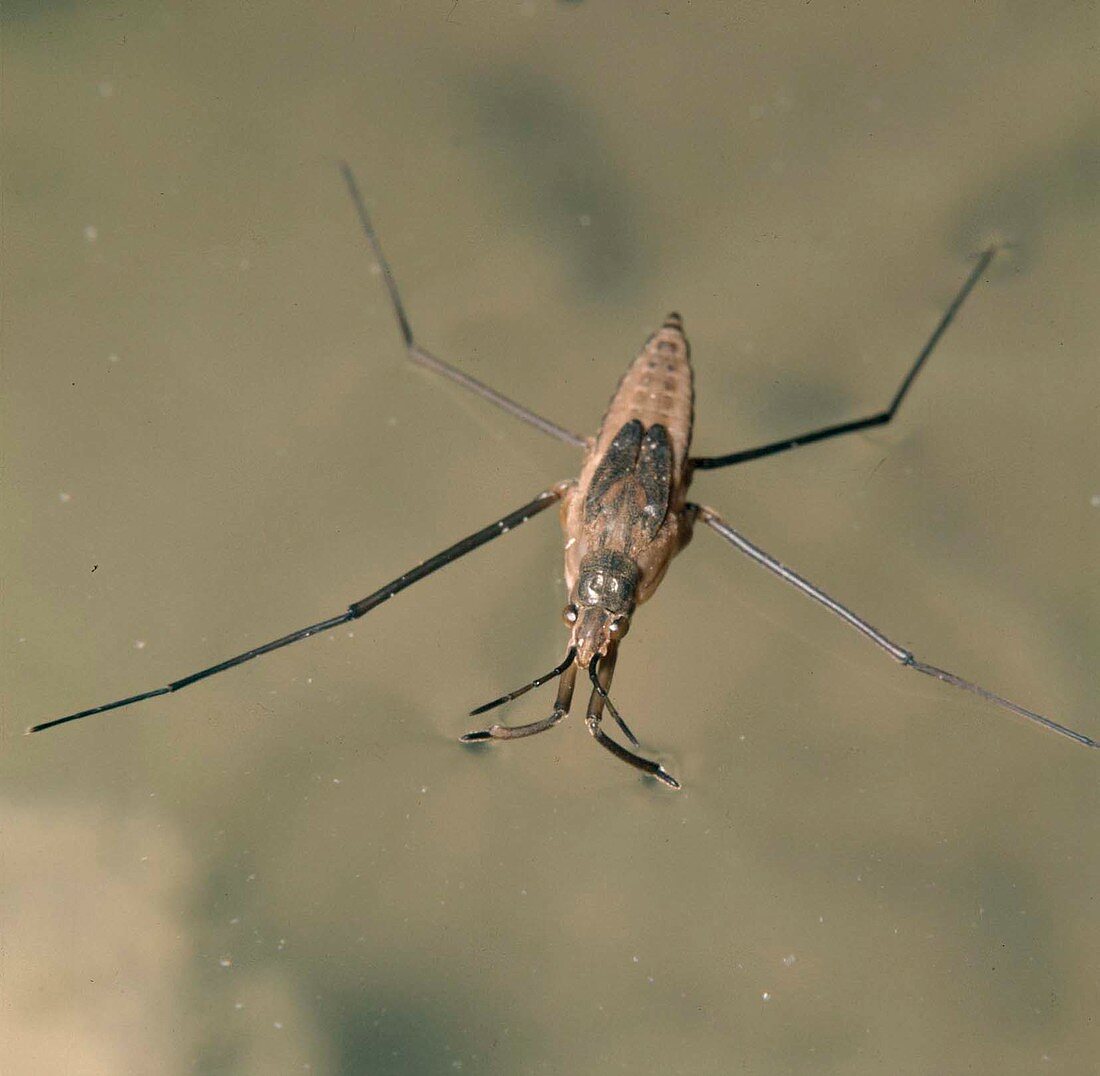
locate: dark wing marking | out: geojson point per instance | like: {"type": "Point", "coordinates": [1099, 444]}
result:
{"type": "Point", "coordinates": [617, 464]}
{"type": "Point", "coordinates": [654, 473]}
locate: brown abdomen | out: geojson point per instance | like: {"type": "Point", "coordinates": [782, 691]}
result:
{"type": "Point", "coordinates": [657, 387]}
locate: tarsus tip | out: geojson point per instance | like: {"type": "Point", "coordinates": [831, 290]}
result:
{"type": "Point", "coordinates": [663, 775]}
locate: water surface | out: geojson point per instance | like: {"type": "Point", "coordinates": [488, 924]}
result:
{"type": "Point", "coordinates": [212, 439]}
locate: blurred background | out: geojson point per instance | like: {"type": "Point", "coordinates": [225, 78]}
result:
{"type": "Point", "coordinates": [212, 439]}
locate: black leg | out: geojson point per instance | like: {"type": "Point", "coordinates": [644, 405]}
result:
{"type": "Point", "coordinates": [599, 672]}
{"type": "Point", "coordinates": [568, 675]}
{"type": "Point", "coordinates": [360, 608]}
{"type": "Point", "coordinates": [898, 653]}
{"type": "Point", "coordinates": [423, 357]}
{"type": "Point", "coordinates": [879, 418]}
{"type": "Point", "coordinates": [601, 683]}
{"type": "Point", "coordinates": [538, 681]}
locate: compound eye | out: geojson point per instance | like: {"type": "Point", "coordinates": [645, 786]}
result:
{"type": "Point", "coordinates": [569, 614]}
{"type": "Point", "coordinates": [619, 627]}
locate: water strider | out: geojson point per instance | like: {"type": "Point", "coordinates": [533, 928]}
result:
{"type": "Point", "coordinates": [625, 517]}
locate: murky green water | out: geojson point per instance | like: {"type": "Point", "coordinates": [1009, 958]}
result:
{"type": "Point", "coordinates": [212, 439]}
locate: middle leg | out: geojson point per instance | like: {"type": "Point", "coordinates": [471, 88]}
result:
{"type": "Point", "coordinates": [878, 418]}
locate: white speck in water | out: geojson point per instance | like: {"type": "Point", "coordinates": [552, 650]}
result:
{"type": "Point", "coordinates": [336, 780]}
{"type": "Point", "coordinates": [238, 1005]}
{"type": "Point", "coordinates": [234, 921]}
{"type": "Point", "coordinates": [91, 233]}
{"type": "Point", "coordinates": [1094, 500]}
{"type": "Point", "coordinates": [105, 89]}
{"type": "Point", "coordinates": [139, 644]}
{"type": "Point", "coordinates": [278, 1025]}
{"type": "Point", "coordinates": [112, 357]}
{"type": "Point", "coordinates": [225, 962]}
{"type": "Point", "coordinates": [765, 996]}
{"type": "Point", "coordinates": [64, 498]}
{"type": "Point", "coordinates": [789, 959]}
{"type": "Point", "coordinates": [585, 220]}
{"type": "Point", "coordinates": [376, 269]}
{"type": "Point", "coordinates": [635, 960]}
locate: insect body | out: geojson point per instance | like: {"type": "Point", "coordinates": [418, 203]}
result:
{"type": "Point", "coordinates": [625, 517]}
{"type": "Point", "coordinates": [624, 520]}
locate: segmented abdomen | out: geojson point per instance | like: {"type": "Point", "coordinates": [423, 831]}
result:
{"type": "Point", "coordinates": [658, 387]}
